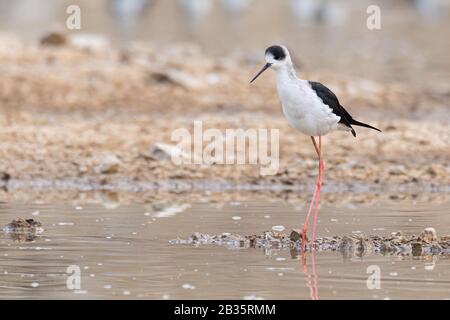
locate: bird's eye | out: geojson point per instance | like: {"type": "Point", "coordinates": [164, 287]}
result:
{"type": "Point", "coordinates": [279, 58]}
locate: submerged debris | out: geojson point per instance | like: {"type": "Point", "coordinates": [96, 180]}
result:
{"type": "Point", "coordinates": [23, 230]}
{"type": "Point", "coordinates": [349, 245]}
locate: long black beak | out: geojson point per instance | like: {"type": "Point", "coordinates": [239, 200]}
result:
{"type": "Point", "coordinates": [266, 66]}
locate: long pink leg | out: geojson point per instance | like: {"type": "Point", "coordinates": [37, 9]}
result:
{"type": "Point", "coordinates": [313, 285]}
{"type": "Point", "coordinates": [305, 224]}
{"type": "Point", "coordinates": [319, 185]}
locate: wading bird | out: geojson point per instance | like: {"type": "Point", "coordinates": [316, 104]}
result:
{"type": "Point", "coordinates": [312, 109]}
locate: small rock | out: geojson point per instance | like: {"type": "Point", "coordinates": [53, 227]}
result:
{"type": "Point", "coordinates": [386, 247]}
{"type": "Point", "coordinates": [183, 79]}
{"type": "Point", "coordinates": [160, 77]}
{"type": "Point", "coordinates": [296, 235]}
{"type": "Point", "coordinates": [109, 164]}
{"type": "Point", "coordinates": [82, 169]}
{"type": "Point", "coordinates": [436, 170]}
{"type": "Point", "coordinates": [397, 170]}
{"type": "Point", "coordinates": [346, 243]}
{"type": "Point", "coordinates": [416, 248]}
{"type": "Point", "coordinates": [252, 240]}
{"type": "Point", "coordinates": [176, 77]}
{"type": "Point", "coordinates": [195, 237]}
{"type": "Point", "coordinates": [397, 234]}
{"type": "Point", "coordinates": [54, 39]}
{"type": "Point", "coordinates": [277, 235]}
{"type": "Point", "coordinates": [164, 152]}
{"type": "Point", "coordinates": [5, 176]}
{"type": "Point", "coordinates": [428, 235]}
{"type": "Point", "coordinates": [89, 42]}
{"type": "Point", "coordinates": [278, 228]}
{"type": "Point", "coordinates": [188, 286]}
{"type": "Point", "coordinates": [236, 238]}
{"type": "Point", "coordinates": [351, 243]}
{"type": "Point", "coordinates": [436, 248]}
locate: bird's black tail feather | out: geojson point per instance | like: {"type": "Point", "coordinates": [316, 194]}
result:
{"type": "Point", "coordinates": [361, 124]}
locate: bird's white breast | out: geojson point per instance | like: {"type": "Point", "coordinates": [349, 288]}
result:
{"type": "Point", "coordinates": [303, 109]}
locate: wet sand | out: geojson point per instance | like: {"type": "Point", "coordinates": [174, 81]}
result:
{"type": "Point", "coordinates": [68, 109]}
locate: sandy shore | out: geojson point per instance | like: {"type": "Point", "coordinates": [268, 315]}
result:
{"type": "Point", "coordinates": [68, 111]}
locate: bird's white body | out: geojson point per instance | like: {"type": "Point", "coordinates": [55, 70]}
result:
{"type": "Point", "coordinates": [303, 109]}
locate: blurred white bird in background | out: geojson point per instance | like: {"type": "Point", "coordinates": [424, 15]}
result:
{"type": "Point", "coordinates": [195, 8]}
{"type": "Point", "coordinates": [321, 11]}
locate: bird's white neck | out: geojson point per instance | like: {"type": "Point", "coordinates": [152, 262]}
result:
{"type": "Point", "coordinates": [286, 73]}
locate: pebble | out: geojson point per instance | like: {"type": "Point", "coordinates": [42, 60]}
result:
{"type": "Point", "coordinates": [252, 297]}
{"type": "Point", "coordinates": [428, 235]}
{"type": "Point", "coordinates": [109, 164]}
{"type": "Point", "coordinates": [166, 152]}
{"type": "Point", "coordinates": [295, 235]}
{"type": "Point", "coordinates": [65, 223]}
{"type": "Point", "coordinates": [188, 286]}
{"type": "Point", "coordinates": [54, 39]}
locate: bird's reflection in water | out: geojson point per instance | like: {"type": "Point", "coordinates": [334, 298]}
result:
{"type": "Point", "coordinates": [311, 278]}
{"type": "Point", "coordinates": [23, 237]}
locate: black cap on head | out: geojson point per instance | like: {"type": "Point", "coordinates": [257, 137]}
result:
{"type": "Point", "coordinates": [277, 52]}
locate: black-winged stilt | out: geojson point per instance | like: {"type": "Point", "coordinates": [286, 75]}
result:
{"type": "Point", "coordinates": [312, 109]}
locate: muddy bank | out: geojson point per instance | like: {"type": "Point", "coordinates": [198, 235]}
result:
{"type": "Point", "coordinates": [87, 112]}
{"type": "Point", "coordinates": [113, 153]}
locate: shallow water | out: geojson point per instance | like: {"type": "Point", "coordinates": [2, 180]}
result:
{"type": "Point", "coordinates": [124, 252]}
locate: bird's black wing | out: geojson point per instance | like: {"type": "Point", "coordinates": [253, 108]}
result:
{"type": "Point", "coordinates": [330, 99]}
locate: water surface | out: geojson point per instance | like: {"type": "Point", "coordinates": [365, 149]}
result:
{"type": "Point", "coordinates": [124, 252]}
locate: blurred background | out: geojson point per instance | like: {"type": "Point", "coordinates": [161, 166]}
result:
{"type": "Point", "coordinates": [411, 45]}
